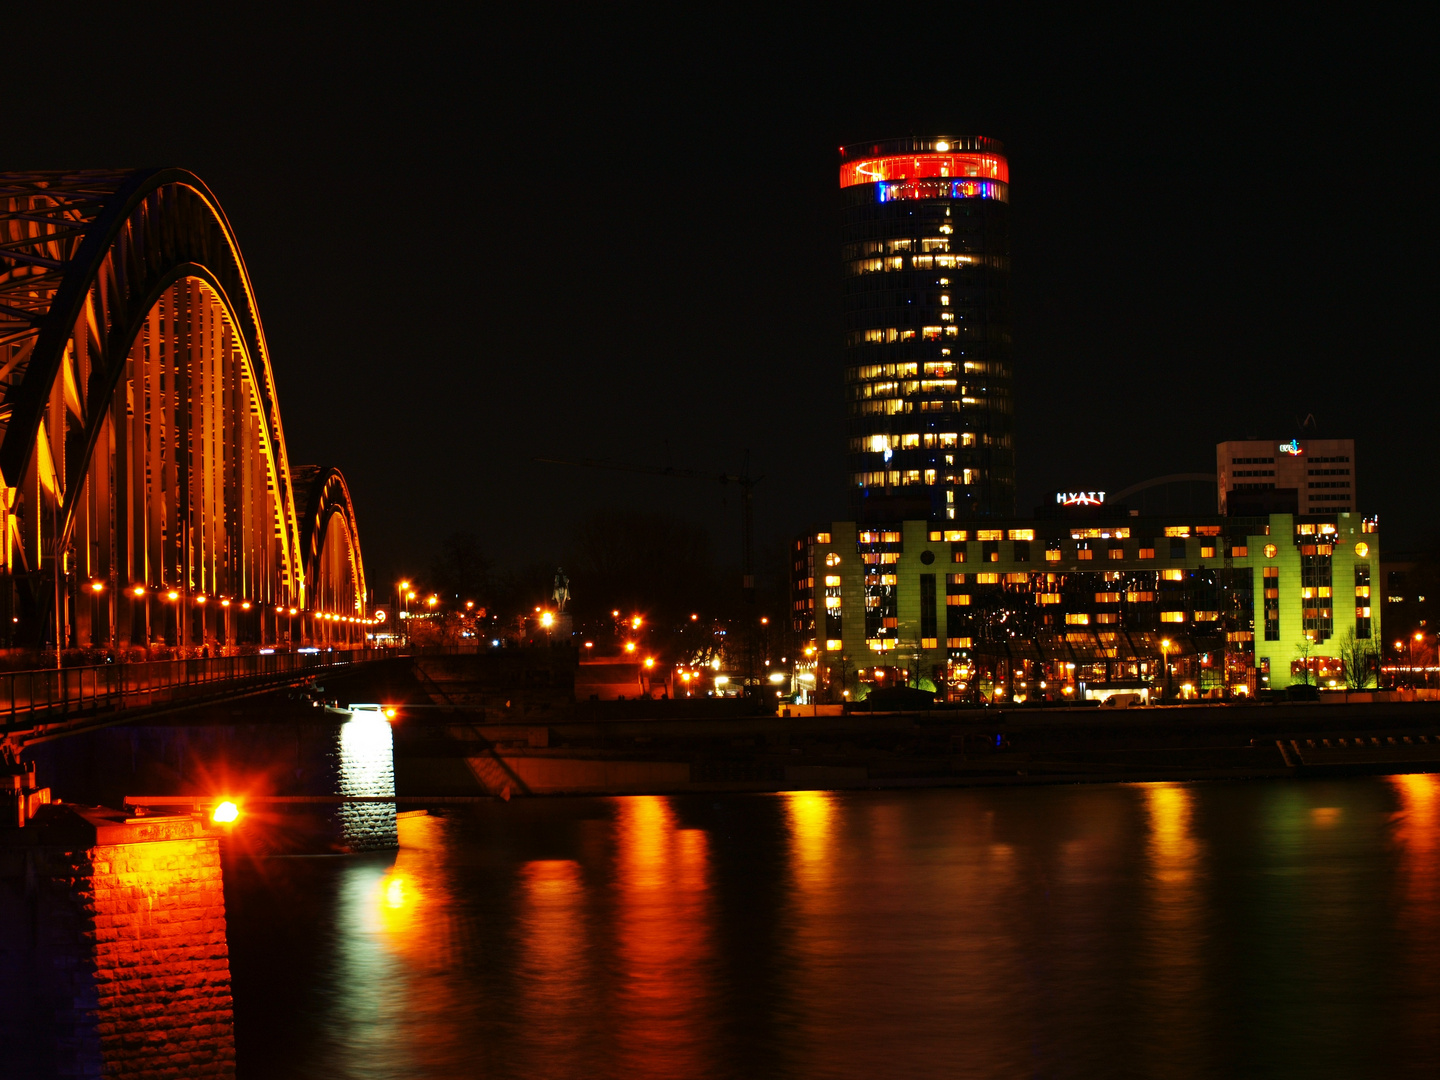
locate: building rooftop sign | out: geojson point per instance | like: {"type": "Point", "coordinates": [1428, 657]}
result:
{"type": "Point", "coordinates": [1080, 498]}
{"type": "Point", "coordinates": [1293, 448]}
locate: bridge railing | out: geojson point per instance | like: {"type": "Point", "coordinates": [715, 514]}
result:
{"type": "Point", "coordinates": [28, 698]}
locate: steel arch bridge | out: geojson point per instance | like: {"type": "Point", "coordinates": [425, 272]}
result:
{"type": "Point", "coordinates": [146, 495]}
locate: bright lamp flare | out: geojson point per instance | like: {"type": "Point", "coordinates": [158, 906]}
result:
{"type": "Point", "coordinates": [225, 813]}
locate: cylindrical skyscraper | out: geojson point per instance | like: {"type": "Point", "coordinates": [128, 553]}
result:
{"type": "Point", "coordinates": [926, 235]}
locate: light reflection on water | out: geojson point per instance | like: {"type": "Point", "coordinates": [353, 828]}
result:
{"type": "Point", "coordinates": [1162, 929]}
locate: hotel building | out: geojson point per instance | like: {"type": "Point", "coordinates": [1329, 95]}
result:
{"type": "Point", "coordinates": [1301, 476]}
{"type": "Point", "coordinates": [1086, 606]}
{"type": "Point", "coordinates": [926, 268]}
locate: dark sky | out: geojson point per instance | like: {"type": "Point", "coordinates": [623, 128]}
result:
{"type": "Point", "coordinates": [526, 229]}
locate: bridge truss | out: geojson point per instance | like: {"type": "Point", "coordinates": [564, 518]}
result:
{"type": "Point", "coordinates": [146, 496]}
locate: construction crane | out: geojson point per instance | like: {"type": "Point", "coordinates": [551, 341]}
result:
{"type": "Point", "coordinates": [747, 501]}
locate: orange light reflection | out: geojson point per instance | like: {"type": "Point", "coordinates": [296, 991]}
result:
{"type": "Point", "coordinates": [1174, 935]}
{"type": "Point", "coordinates": [1417, 844]}
{"type": "Point", "coordinates": [665, 941]}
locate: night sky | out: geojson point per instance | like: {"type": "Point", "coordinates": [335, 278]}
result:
{"type": "Point", "coordinates": [529, 230]}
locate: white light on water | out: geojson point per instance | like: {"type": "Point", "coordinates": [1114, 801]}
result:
{"type": "Point", "coordinates": [367, 767]}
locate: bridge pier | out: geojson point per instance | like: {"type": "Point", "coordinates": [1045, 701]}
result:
{"type": "Point", "coordinates": [113, 952]}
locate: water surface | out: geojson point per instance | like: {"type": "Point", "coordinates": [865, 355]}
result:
{"type": "Point", "coordinates": [1279, 928]}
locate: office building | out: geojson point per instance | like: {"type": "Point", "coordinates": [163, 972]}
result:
{"type": "Point", "coordinates": [926, 265]}
{"type": "Point", "coordinates": [1294, 476]}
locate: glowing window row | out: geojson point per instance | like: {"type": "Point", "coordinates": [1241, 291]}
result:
{"type": "Point", "coordinates": [937, 368]}
{"type": "Point", "coordinates": [888, 263]}
{"type": "Point", "coordinates": [907, 477]}
{"type": "Point", "coordinates": [899, 406]}
{"type": "Point", "coordinates": [906, 245]}
{"type": "Point", "coordinates": [958, 535]}
{"type": "Point", "coordinates": [886, 335]}
{"type": "Point", "coordinates": [945, 440]}
{"type": "Point", "coordinates": [909, 386]}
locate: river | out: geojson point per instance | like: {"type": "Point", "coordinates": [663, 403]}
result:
{"type": "Point", "coordinates": [1277, 928]}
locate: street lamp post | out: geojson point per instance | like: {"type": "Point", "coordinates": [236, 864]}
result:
{"type": "Point", "coordinates": [1165, 653]}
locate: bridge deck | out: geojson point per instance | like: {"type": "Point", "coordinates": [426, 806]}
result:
{"type": "Point", "coordinates": [44, 704]}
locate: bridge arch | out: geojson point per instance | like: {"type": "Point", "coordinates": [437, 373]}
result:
{"type": "Point", "coordinates": [330, 550]}
{"type": "Point", "coordinates": [145, 488]}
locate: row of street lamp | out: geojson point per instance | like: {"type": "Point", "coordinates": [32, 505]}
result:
{"type": "Point", "coordinates": [173, 595]}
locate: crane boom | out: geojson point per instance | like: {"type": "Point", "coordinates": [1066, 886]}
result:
{"type": "Point", "coordinates": [747, 500]}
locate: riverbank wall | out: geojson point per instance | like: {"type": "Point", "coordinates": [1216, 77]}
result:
{"type": "Point", "coordinates": [446, 755]}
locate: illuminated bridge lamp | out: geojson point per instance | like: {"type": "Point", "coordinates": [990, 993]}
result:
{"type": "Point", "coordinates": [225, 813]}
{"type": "Point", "coordinates": [389, 712]}
{"type": "Point", "coordinates": [629, 646]}
{"type": "Point", "coordinates": [138, 590]}
{"type": "Point", "coordinates": [97, 586]}
{"type": "Point", "coordinates": [225, 603]}
{"type": "Point", "coordinates": [649, 661]}
{"type": "Point", "coordinates": [200, 599]}
{"type": "Point", "coordinates": [245, 605]}
{"type": "Point", "coordinates": [172, 595]}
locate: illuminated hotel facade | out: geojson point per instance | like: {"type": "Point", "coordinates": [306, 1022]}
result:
{"type": "Point", "coordinates": [1100, 603]}
{"type": "Point", "coordinates": [926, 266]}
